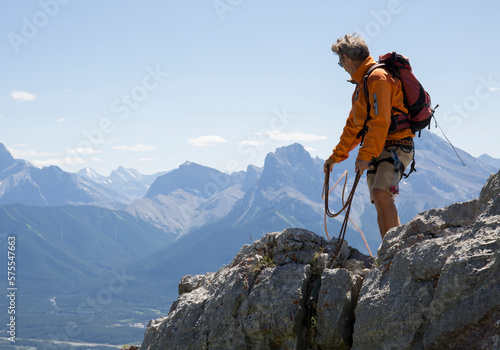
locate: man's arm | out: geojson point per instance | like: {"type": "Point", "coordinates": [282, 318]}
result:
{"type": "Point", "coordinates": [347, 143]}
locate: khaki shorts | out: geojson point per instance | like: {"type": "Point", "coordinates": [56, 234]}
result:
{"type": "Point", "coordinates": [384, 176]}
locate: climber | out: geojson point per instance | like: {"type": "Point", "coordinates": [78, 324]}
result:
{"type": "Point", "coordinates": [385, 155]}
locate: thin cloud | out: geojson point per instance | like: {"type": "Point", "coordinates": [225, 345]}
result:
{"type": "Point", "coordinates": [21, 153]}
{"type": "Point", "coordinates": [61, 120]}
{"type": "Point", "coordinates": [84, 150]}
{"type": "Point", "coordinates": [49, 154]}
{"type": "Point", "coordinates": [56, 158]}
{"type": "Point", "coordinates": [294, 136]}
{"type": "Point", "coordinates": [58, 162]}
{"type": "Point", "coordinates": [252, 143]}
{"type": "Point", "coordinates": [135, 148]}
{"type": "Point", "coordinates": [22, 96]}
{"type": "Point", "coordinates": [204, 141]}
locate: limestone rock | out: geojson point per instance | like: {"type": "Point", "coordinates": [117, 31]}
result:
{"type": "Point", "coordinates": [438, 283]}
{"type": "Point", "coordinates": [335, 309]}
{"type": "Point", "coordinates": [276, 294]}
{"type": "Point", "coordinates": [435, 285]}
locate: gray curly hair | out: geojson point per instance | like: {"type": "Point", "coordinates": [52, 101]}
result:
{"type": "Point", "coordinates": [353, 46]}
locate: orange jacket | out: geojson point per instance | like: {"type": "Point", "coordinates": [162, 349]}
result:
{"type": "Point", "coordinates": [389, 94]}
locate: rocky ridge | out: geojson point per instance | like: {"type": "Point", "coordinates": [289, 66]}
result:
{"type": "Point", "coordinates": [434, 285]}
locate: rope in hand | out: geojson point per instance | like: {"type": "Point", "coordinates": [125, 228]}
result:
{"type": "Point", "coordinates": [345, 206]}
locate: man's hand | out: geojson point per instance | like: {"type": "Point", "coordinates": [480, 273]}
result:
{"type": "Point", "coordinates": [328, 165]}
{"type": "Point", "coordinates": [361, 165]}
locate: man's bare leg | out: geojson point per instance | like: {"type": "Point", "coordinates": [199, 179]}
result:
{"type": "Point", "coordinates": [387, 214]}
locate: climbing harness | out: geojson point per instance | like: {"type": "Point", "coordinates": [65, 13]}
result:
{"type": "Point", "coordinates": [346, 205]}
{"type": "Point", "coordinates": [399, 168]}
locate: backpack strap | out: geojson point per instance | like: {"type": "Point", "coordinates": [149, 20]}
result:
{"type": "Point", "coordinates": [361, 134]}
{"type": "Point", "coordinates": [365, 78]}
{"type": "Point", "coordinates": [401, 118]}
{"type": "Point", "coordinates": [364, 129]}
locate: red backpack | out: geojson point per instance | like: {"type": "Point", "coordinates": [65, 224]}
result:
{"type": "Point", "coordinates": [417, 101]}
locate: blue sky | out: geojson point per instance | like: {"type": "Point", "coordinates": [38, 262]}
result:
{"type": "Point", "coordinates": [151, 84]}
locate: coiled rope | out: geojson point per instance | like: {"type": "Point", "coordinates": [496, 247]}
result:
{"type": "Point", "coordinates": [346, 205]}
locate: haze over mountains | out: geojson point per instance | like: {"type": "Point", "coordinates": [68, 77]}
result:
{"type": "Point", "coordinates": [126, 181]}
{"type": "Point", "coordinates": [189, 197]}
{"type": "Point", "coordinates": [76, 230]}
{"type": "Point", "coordinates": [20, 182]}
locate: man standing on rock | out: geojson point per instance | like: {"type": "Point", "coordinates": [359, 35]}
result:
{"type": "Point", "coordinates": [381, 150]}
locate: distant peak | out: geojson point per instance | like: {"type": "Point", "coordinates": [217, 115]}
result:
{"type": "Point", "coordinates": [123, 170]}
{"type": "Point", "coordinates": [4, 152]}
{"type": "Point", "coordinates": [293, 152]}
{"type": "Point", "coordinates": [294, 148]}
{"type": "Point", "coordinates": [88, 170]}
{"type": "Point", "coordinates": [6, 158]}
{"type": "Point", "coordinates": [90, 173]}
{"type": "Point", "coordinates": [487, 156]}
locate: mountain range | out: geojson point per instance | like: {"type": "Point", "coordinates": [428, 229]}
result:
{"type": "Point", "coordinates": [21, 182]}
{"type": "Point", "coordinates": [77, 230]}
{"type": "Point", "coordinates": [188, 197]}
{"type": "Point", "coordinates": [126, 181]}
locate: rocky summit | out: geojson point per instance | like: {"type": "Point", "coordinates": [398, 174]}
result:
{"type": "Point", "coordinates": [435, 284]}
